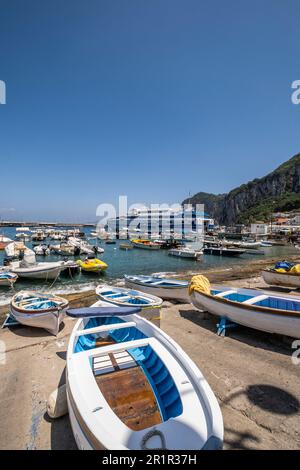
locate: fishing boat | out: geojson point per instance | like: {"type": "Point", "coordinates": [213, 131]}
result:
{"type": "Point", "coordinates": [64, 249]}
{"type": "Point", "coordinates": [83, 246]}
{"type": "Point", "coordinates": [110, 241]}
{"type": "Point", "coordinates": [185, 253]}
{"type": "Point", "coordinates": [131, 387]}
{"type": "Point", "coordinates": [15, 250]}
{"type": "Point", "coordinates": [125, 246]}
{"type": "Point", "coordinates": [38, 235]}
{"type": "Point", "coordinates": [92, 265]}
{"type": "Point", "coordinates": [4, 241]}
{"type": "Point", "coordinates": [27, 267]}
{"type": "Point", "coordinates": [145, 244]}
{"type": "Point", "coordinates": [222, 251]}
{"type": "Point", "coordinates": [249, 307]}
{"type": "Point", "coordinates": [123, 297]}
{"type": "Point", "coordinates": [39, 310]}
{"type": "Point", "coordinates": [42, 250]}
{"type": "Point", "coordinates": [165, 288]}
{"type": "Point", "coordinates": [7, 279]}
{"type": "Point", "coordinates": [287, 278]}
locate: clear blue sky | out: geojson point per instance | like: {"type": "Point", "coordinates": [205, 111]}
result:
{"type": "Point", "coordinates": [149, 98]}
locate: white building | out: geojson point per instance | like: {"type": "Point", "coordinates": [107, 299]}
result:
{"type": "Point", "coordinates": [259, 229]}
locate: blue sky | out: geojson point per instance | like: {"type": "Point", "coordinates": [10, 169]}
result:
{"type": "Point", "coordinates": [152, 99]}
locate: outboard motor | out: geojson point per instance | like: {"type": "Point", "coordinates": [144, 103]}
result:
{"type": "Point", "coordinates": [77, 251]}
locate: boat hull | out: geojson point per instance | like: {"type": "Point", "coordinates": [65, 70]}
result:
{"type": "Point", "coordinates": [7, 282]}
{"type": "Point", "coordinates": [49, 321]}
{"type": "Point", "coordinates": [177, 293]}
{"type": "Point", "coordinates": [42, 273]}
{"type": "Point", "coordinates": [181, 254]}
{"type": "Point", "coordinates": [283, 324]}
{"type": "Point", "coordinates": [281, 279]}
{"type": "Point", "coordinates": [146, 247]}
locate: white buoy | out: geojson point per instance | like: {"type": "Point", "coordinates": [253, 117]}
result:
{"type": "Point", "coordinates": [57, 405]}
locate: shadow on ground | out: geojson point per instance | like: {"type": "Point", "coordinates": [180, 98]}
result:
{"type": "Point", "coordinates": [254, 338]}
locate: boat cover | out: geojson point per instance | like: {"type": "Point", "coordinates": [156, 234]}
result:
{"type": "Point", "coordinates": [101, 311]}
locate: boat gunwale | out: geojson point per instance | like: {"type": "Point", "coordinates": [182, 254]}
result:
{"type": "Point", "coordinates": [158, 286]}
{"type": "Point", "coordinates": [269, 271]}
{"type": "Point", "coordinates": [44, 310]}
{"type": "Point", "coordinates": [266, 310]}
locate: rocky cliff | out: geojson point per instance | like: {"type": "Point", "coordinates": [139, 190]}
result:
{"type": "Point", "coordinates": [277, 191]}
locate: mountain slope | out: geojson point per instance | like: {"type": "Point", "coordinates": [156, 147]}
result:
{"type": "Point", "coordinates": [279, 190]}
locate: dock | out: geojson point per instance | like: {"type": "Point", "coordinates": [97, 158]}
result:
{"type": "Point", "coordinates": [251, 374]}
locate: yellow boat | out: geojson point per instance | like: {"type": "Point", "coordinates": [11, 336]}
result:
{"type": "Point", "coordinates": [146, 244]}
{"type": "Point", "coordinates": [93, 265]}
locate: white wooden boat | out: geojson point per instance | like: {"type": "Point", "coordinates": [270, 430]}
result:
{"type": "Point", "coordinates": [185, 253]}
{"type": "Point", "coordinates": [7, 279]}
{"type": "Point", "coordinates": [274, 278]}
{"type": "Point", "coordinates": [122, 297]}
{"type": "Point", "coordinates": [39, 310]}
{"type": "Point", "coordinates": [255, 309]}
{"type": "Point", "coordinates": [164, 288]}
{"type": "Point", "coordinates": [131, 387]}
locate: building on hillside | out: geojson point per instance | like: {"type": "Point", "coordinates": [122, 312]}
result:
{"type": "Point", "coordinates": [259, 229]}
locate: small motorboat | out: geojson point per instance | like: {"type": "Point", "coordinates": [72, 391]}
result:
{"type": "Point", "coordinates": [38, 235]}
{"type": "Point", "coordinates": [4, 241]}
{"type": "Point", "coordinates": [16, 250]}
{"type": "Point", "coordinates": [131, 387]}
{"type": "Point", "coordinates": [122, 297]}
{"type": "Point", "coordinates": [125, 246]}
{"type": "Point", "coordinates": [110, 241]}
{"type": "Point", "coordinates": [249, 307]}
{"type": "Point", "coordinates": [164, 288]}
{"type": "Point", "coordinates": [222, 251]}
{"type": "Point", "coordinates": [266, 244]}
{"type": "Point", "coordinates": [42, 250]}
{"type": "Point", "coordinates": [83, 246]}
{"type": "Point", "coordinates": [64, 249]}
{"type": "Point", "coordinates": [7, 279]}
{"type": "Point", "coordinates": [92, 265]}
{"type": "Point", "coordinates": [185, 253]}
{"type": "Point", "coordinates": [39, 310]}
{"type": "Point", "coordinates": [28, 268]}
{"type": "Point", "coordinates": [146, 244]}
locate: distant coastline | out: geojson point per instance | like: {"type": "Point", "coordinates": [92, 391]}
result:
{"type": "Point", "coordinates": [15, 223]}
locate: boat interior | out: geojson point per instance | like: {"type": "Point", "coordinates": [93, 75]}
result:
{"type": "Point", "coordinates": [152, 281]}
{"type": "Point", "coordinates": [134, 298]}
{"type": "Point", "coordinates": [134, 381]}
{"type": "Point", "coordinates": [259, 299]}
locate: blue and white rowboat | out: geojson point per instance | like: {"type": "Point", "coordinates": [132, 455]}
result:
{"type": "Point", "coordinates": [164, 288]}
{"type": "Point", "coordinates": [149, 304]}
{"type": "Point", "coordinates": [130, 386]}
{"type": "Point", "coordinates": [7, 278]}
{"type": "Point", "coordinates": [252, 308]}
